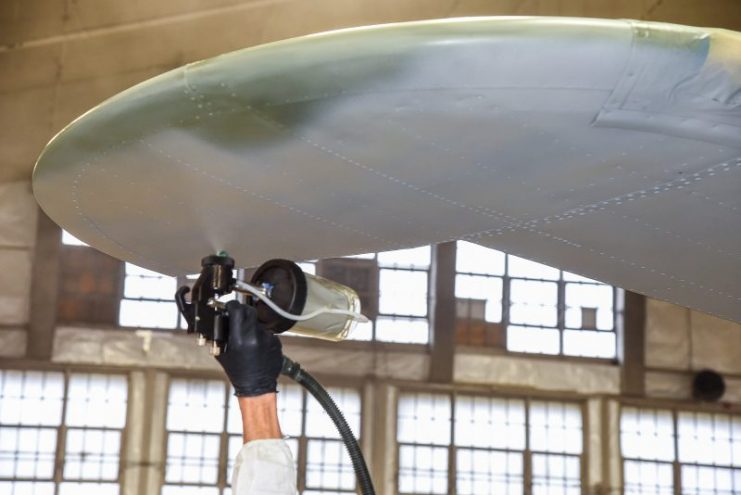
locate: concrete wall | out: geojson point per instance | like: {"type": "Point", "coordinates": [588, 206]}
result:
{"type": "Point", "coordinates": [17, 237]}
{"type": "Point", "coordinates": [680, 342]}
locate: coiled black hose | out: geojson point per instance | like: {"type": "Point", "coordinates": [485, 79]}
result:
{"type": "Point", "coordinates": [300, 376]}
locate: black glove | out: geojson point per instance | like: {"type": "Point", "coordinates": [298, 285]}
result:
{"type": "Point", "coordinates": [253, 356]}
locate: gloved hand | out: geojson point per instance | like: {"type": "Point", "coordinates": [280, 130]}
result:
{"type": "Point", "coordinates": [253, 357]}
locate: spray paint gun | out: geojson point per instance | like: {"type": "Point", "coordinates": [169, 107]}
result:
{"type": "Point", "coordinates": [205, 314]}
{"type": "Point", "coordinates": [284, 296]}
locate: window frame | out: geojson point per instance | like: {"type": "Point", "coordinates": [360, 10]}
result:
{"type": "Point", "coordinates": [674, 408]}
{"type": "Point", "coordinates": [527, 453]}
{"type": "Point", "coordinates": [505, 322]}
{"type": "Point", "coordinates": [62, 428]}
{"type": "Point", "coordinates": [560, 327]}
{"type": "Point", "coordinates": [179, 282]}
{"type": "Point", "coordinates": [223, 483]}
{"type": "Point", "coordinates": [378, 268]}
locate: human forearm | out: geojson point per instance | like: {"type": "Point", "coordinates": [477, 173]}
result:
{"type": "Point", "coordinates": [260, 417]}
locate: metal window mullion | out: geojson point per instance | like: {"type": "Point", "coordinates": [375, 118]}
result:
{"type": "Point", "coordinates": [677, 467]}
{"type": "Point", "coordinates": [399, 445]}
{"type": "Point", "coordinates": [615, 312]}
{"type": "Point", "coordinates": [303, 442]}
{"type": "Point", "coordinates": [406, 268]}
{"type": "Point", "coordinates": [506, 303]}
{"type": "Point", "coordinates": [452, 451]}
{"type": "Point", "coordinates": [527, 458]}
{"type": "Point", "coordinates": [121, 290]}
{"type": "Point", "coordinates": [584, 457]}
{"type": "Point", "coordinates": [221, 481]}
{"type": "Point", "coordinates": [124, 433]}
{"type": "Point", "coordinates": [61, 437]}
{"type": "Point", "coordinates": [561, 310]}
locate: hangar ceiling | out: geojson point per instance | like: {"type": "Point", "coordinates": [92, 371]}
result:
{"type": "Point", "coordinates": [59, 58]}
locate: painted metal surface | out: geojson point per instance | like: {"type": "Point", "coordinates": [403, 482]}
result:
{"type": "Point", "coordinates": [608, 148]}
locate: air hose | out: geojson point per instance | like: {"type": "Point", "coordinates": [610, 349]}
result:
{"type": "Point", "coordinates": [303, 378]}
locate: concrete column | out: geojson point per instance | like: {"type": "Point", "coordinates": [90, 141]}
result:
{"type": "Point", "coordinates": [44, 289]}
{"type": "Point", "coordinates": [17, 239]}
{"type": "Point", "coordinates": [442, 309]}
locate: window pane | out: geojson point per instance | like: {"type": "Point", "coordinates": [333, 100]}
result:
{"type": "Point", "coordinates": [308, 267]}
{"type": "Point", "coordinates": [647, 434]}
{"type": "Point", "coordinates": [132, 269]}
{"type": "Point", "coordinates": [556, 474]}
{"type": "Point", "coordinates": [596, 298]}
{"type": "Point", "coordinates": [189, 490]}
{"type": "Point", "coordinates": [157, 312]}
{"type": "Point", "coordinates": [236, 442]}
{"type": "Point", "coordinates": [403, 330]}
{"type": "Point", "coordinates": [196, 405]}
{"type": "Point", "coordinates": [403, 292]}
{"type": "Point", "coordinates": [318, 423]}
{"type": "Point", "coordinates": [328, 466]}
{"type": "Point", "coordinates": [26, 488]}
{"type": "Point", "coordinates": [520, 267]}
{"type": "Point", "coordinates": [234, 416]}
{"type": "Point", "coordinates": [192, 458]}
{"type": "Point", "coordinates": [31, 398]}
{"type": "Point", "coordinates": [708, 439]}
{"type": "Point", "coordinates": [533, 303]}
{"type": "Point", "coordinates": [290, 408]}
{"type": "Point", "coordinates": [487, 422]}
{"type": "Point", "coordinates": [706, 480]}
{"type": "Point", "coordinates": [648, 478]}
{"type": "Point", "coordinates": [424, 418]}
{"type": "Point", "coordinates": [423, 469]}
{"type": "Point", "coordinates": [555, 427]}
{"type": "Point", "coordinates": [70, 240]}
{"type": "Point", "coordinates": [536, 340]}
{"type": "Point", "coordinates": [92, 454]}
{"type": "Point", "coordinates": [481, 471]}
{"type": "Point", "coordinates": [27, 452]}
{"type": "Point", "coordinates": [589, 344]}
{"type": "Point", "coordinates": [472, 258]}
{"type": "Point", "coordinates": [362, 331]}
{"type": "Point", "coordinates": [488, 289]}
{"type": "Point", "coordinates": [406, 258]}
{"type": "Point", "coordinates": [147, 314]}
{"type": "Point", "coordinates": [573, 277]}
{"type": "Point", "coordinates": [68, 488]}
{"type": "Point", "coordinates": [136, 286]}
{"type": "Point", "coordinates": [96, 400]}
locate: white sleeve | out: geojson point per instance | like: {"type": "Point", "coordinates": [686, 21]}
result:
{"type": "Point", "coordinates": [264, 467]}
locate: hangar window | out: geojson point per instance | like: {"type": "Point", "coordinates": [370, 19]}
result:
{"type": "Point", "coordinates": [510, 302]}
{"type": "Point", "coordinates": [403, 296]}
{"type": "Point", "coordinates": [49, 419]}
{"type": "Point", "coordinates": [70, 240]}
{"type": "Point", "coordinates": [148, 299]}
{"type": "Point", "coordinates": [394, 291]}
{"type": "Point", "coordinates": [204, 431]}
{"type": "Point", "coordinates": [699, 451]}
{"type": "Point", "coordinates": [393, 287]}
{"type": "Point", "coordinates": [465, 444]}
{"type": "Point", "coordinates": [89, 285]}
